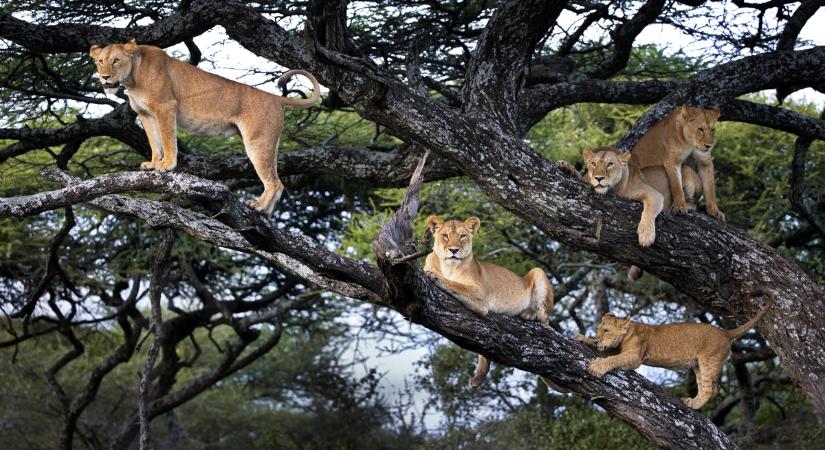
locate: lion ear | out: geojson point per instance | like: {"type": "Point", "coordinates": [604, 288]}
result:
{"type": "Point", "coordinates": [625, 324]}
{"type": "Point", "coordinates": [680, 113]}
{"type": "Point", "coordinates": [715, 112]}
{"type": "Point", "coordinates": [472, 224]}
{"type": "Point", "coordinates": [587, 154]}
{"type": "Point", "coordinates": [433, 222]}
{"type": "Point", "coordinates": [131, 46]}
{"type": "Point", "coordinates": [624, 157]}
{"type": "Point", "coordinates": [95, 50]}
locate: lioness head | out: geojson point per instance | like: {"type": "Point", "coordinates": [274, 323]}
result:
{"type": "Point", "coordinates": [606, 166]}
{"type": "Point", "coordinates": [453, 239]}
{"type": "Point", "coordinates": [698, 125]}
{"type": "Point", "coordinates": [611, 331]}
{"type": "Point", "coordinates": [114, 63]}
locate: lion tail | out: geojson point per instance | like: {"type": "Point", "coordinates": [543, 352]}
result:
{"type": "Point", "coordinates": [736, 332]}
{"type": "Point", "coordinates": [300, 102]}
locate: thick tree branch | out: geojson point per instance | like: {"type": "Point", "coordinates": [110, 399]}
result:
{"type": "Point", "coordinates": [495, 74]}
{"type": "Point", "coordinates": [717, 85]}
{"type": "Point", "coordinates": [659, 416]}
{"type": "Point", "coordinates": [623, 37]}
{"type": "Point", "coordinates": [239, 227]}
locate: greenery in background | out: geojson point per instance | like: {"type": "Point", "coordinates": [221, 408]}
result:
{"type": "Point", "coordinates": [300, 395]}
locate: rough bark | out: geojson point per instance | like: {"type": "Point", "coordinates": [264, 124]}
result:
{"type": "Point", "coordinates": [659, 416]}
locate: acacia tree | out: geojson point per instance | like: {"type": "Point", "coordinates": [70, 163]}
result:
{"type": "Point", "coordinates": [465, 82]}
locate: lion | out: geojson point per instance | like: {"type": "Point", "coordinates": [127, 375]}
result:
{"type": "Point", "coordinates": [610, 170]}
{"type": "Point", "coordinates": [483, 287]}
{"type": "Point", "coordinates": [167, 94]}
{"type": "Point", "coordinates": [698, 346]}
{"type": "Point", "coordinates": [685, 133]}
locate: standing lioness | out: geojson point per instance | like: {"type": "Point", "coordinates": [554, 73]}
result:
{"type": "Point", "coordinates": [167, 94]}
{"type": "Point", "coordinates": [481, 286]}
{"type": "Point", "coordinates": [685, 133]}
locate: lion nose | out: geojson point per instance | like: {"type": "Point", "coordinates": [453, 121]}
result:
{"type": "Point", "coordinates": [105, 77]}
{"type": "Point", "coordinates": [599, 178]}
{"type": "Point", "coordinates": [453, 250]}
{"type": "Point", "coordinates": [708, 146]}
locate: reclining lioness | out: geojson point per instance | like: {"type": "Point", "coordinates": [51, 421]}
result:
{"type": "Point", "coordinates": [698, 346]}
{"type": "Point", "coordinates": [610, 170]}
{"type": "Point", "coordinates": [480, 286]}
{"type": "Point", "coordinates": [167, 94]}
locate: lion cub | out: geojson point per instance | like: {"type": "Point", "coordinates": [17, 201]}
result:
{"type": "Point", "coordinates": [698, 346]}
{"type": "Point", "coordinates": [167, 94]}
{"type": "Point", "coordinates": [480, 286]}
{"type": "Point", "coordinates": [686, 132]}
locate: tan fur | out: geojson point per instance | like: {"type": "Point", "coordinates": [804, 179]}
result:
{"type": "Point", "coordinates": [167, 94]}
{"type": "Point", "coordinates": [685, 133]}
{"type": "Point", "coordinates": [608, 169]}
{"type": "Point", "coordinates": [480, 286]}
{"type": "Point", "coordinates": [701, 347]}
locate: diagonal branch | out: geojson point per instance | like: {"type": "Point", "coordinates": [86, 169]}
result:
{"type": "Point", "coordinates": [659, 416]}
{"type": "Point", "coordinates": [496, 71]}
{"type": "Point", "coordinates": [717, 85]}
{"type": "Point", "coordinates": [623, 37]}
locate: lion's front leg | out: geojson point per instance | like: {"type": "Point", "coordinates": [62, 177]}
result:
{"type": "Point", "coordinates": [709, 186]}
{"type": "Point", "coordinates": [653, 202]}
{"type": "Point", "coordinates": [677, 192]}
{"type": "Point", "coordinates": [150, 126]}
{"type": "Point", "coordinates": [470, 296]}
{"type": "Point", "coordinates": [627, 360]}
{"type": "Point", "coordinates": [166, 119]}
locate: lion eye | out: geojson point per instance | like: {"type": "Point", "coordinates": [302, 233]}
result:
{"type": "Point", "coordinates": [593, 164]}
{"type": "Point", "coordinates": [445, 236]}
{"type": "Point", "coordinates": [610, 164]}
{"type": "Point", "coordinates": [702, 130]}
{"type": "Point", "coordinates": [115, 61]}
{"type": "Point", "coordinates": [462, 237]}
{"type": "Point", "coordinates": [100, 60]}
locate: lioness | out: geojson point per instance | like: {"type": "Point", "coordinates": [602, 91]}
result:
{"type": "Point", "coordinates": [480, 286]}
{"type": "Point", "coordinates": [167, 93]}
{"type": "Point", "coordinates": [608, 169]}
{"type": "Point", "coordinates": [685, 132]}
{"type": "Point", "coordinates": [698, 346]}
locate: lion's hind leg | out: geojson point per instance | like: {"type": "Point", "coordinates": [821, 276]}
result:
{"type": "Point", "coordinates": [261, 144]}
{"type": "Point", "coordinates": [692, 185]}
{"type": "Point", "coordinates": [482, 367]}
{"type": "Point", "coordinates": [541, 296]}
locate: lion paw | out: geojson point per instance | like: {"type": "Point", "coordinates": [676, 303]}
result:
{"type": "Point", "coordinates": [253, 204]}
{"type": "Point", "coordinates": [165, 166]}
{"type": "Point", "coordinates": [474, 383]}
{"type": "Point", "coordinates": [717, 214]}
{"type": "Point", "coordinates": [147, 165]}
{"type": "Point", "coordinates": [647, 234]}
{"type": "Point", "coordinates": [693, 403]}
{"type": "Point", "coordinates": [568, 168]}
{"type": "Point", "coordinates": [581, 338]}
{"type": "Point", "coordinates": [597, 368]}
{"type": "Point", "coordinates": [681, 209]}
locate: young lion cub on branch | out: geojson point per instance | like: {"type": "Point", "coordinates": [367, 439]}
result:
{"type": "Point", "coordinates": [167, 94]}
{"type": "Point", "coordinates": [698, 346]}
{"type": "Point", "coordinates": [481, 286]}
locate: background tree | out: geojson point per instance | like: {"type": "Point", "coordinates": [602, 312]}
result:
{"type": "Point", "coordinates": [495, 91]}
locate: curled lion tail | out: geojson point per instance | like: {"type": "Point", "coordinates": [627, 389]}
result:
{"type": "Point", "coordinates": [300, 102]}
